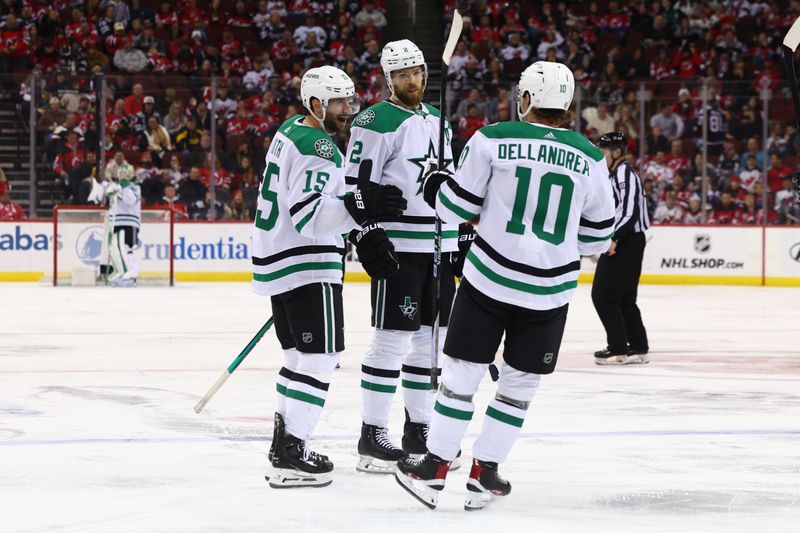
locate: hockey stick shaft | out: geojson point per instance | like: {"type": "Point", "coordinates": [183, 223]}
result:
{"type": "Point", "coordinates": [447, 54]}
{"type": "Point", "coordinates": [232, 367]}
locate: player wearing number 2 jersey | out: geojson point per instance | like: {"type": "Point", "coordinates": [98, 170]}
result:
{"type": "Point", "coordinates": [544, 199]}
{"type": "Point", "coordinates": [297, 261]}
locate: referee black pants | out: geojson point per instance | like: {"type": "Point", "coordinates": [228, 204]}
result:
{"type": "Point", "coordinates": [616, 284]}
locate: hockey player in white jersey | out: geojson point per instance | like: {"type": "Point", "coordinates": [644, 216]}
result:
{"type": "Point", "coordinates": [125, 215]}
{"type": "Point", "coordinates": [400, 136]}
{"type": "Point", "coordinates": [297, 256]}
{"type": "Point", "coordinates": [544, 199]}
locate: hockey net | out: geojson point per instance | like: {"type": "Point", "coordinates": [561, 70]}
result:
{"type": "Point", "coordinates": [81, 250]}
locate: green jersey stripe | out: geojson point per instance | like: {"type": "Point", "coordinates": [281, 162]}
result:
{"type": "Point", "coordinates": [460, 211]}
{"type": "Point", "coordinates": [300, 267]}
{"type": "Point", "coordinates": [452, 412]}
{"type": "Point", "coordinates": [518, 285]}
{"type": "Point", "coordinates": [300, 225]}
{"type": "Point", "coordinates": [504, 417]}
{"type": "Point", "coordinates": [377, 387]}
{"type": "Point", "coordinates": [280, 388]}
{"type": "Point", "coordinates": [589, 238]}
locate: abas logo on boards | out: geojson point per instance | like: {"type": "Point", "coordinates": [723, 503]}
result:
{"type": "Point", "coordinates": [19, 240]}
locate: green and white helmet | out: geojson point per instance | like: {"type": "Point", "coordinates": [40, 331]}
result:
{"type": "Point", "coordinates": [401, 54]}
{"type": "Point", "coordinates": [326, 83]}
{"type": "Point", "coordinates": [551, 86]}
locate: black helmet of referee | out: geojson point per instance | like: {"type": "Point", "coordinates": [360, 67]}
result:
{"type": "Point", "coordinates": [613, 139]}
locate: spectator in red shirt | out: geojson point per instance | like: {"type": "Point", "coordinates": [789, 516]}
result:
{"type": "Point", "coordinates": [777, 171]}
{"type": "Point", "coordinates": [172, 201]}
{"type": "Point", "coordinates": [15, 49]}
{"type": "Point", "coordinates": [677, 160]}
{"type": "Point", "coordinates": [135, 102]}
{"type": "Point", "coordinates": [471, 122]}
{"type": "Point", "coordinates": [726, 212]}
{"type": "Point", "coordinates": [9, 211]}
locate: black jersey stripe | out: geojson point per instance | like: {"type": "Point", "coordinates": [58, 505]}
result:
{"type": "Point", "coordinates": [308, 380]}
{"type": "Point", "coordinates": [380, 372]}
{"type": "Point", "coordinates": [301, 204]}
{"type": "Point", "coordinates": [419, 371]}
{"type": "Point", "coordinates": [463, 193]}
{"type": "Point", "coordinates": [603, 224]}
{"type": "Point", "coordinates": [529, 270]}
{"type": "Point", "coordinates": [300, 250]}
{"type": "Point", "coordinates": [285, 372]}
{"type": "Point", "coordinates": [408, 219]}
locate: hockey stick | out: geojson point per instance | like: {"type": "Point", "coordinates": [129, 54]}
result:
{"type": "Point", "coordinates": [110, 220]}
{"type": "Point", "coordinates": [233, 366]}
{"type": "Point", "coordinates": [790, 44]}
{"type": "Point", "coordinates": [447, 55]}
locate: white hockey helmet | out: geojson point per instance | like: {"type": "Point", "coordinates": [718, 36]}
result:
{"type": "Point", "coordinates": [326, 83]}
{"type": "Point", "coordinates": [550, 85]}
{"type": "Point", "coordinates": [401, 54]}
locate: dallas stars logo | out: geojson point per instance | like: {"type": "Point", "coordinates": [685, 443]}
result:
{"type": "Point", "coordinates": [426, 162]}
{"type": "Point", "coordinates": [409, 308]}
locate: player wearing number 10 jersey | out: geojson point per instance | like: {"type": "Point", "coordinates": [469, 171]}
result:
{"type": "Point", "coordinates": [544, 199]}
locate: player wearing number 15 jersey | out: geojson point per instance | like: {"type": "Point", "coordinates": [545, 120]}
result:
{"type": "Point", "coordinates": [544, 199]}
{"type": "Point", "coordinates": [297, 261]}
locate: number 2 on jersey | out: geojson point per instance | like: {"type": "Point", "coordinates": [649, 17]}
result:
{"type": "Point", "coordinates": [546, 183]}
{"type": "Point", "coordinates": [271, 196]}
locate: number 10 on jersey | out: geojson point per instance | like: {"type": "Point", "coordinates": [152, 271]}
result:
{"type": "Point", "coordinates": [546, 184]}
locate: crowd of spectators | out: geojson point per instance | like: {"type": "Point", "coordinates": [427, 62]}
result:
{"type": "Point", "coordinates": [672, 48]}
{"type": "Point", "coordinates": [157, 60]}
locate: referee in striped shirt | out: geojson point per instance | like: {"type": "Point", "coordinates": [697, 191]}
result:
{"type": "Point", "coordinates": [616, 281]}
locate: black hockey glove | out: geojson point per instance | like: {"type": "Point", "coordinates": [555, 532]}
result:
{"type": "Point", "coordinates": [375, 251]}
{"type": "Point", "coordinates": [374, 202]}
{"type": "Point", "coordinates": [433, 182]}
{"type": "Point", "coordinates": [466, 234]}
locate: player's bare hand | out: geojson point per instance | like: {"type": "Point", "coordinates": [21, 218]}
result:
{"type": "Point", "coordinates": [612, 249]}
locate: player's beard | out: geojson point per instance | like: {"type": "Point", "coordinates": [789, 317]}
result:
{"type": "Point", "coordinates": [338, 123]}
{"type": "Point", "coordinates": [410, 100]}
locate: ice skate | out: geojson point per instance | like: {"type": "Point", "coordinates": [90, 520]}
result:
{"type": "Point", "coordinates": [377, 454]}
{"type": "Point", "coordinates": [483, 484]}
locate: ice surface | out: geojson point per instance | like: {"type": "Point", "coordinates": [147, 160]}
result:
{"type": "Point", "coordinates": [97, 432]}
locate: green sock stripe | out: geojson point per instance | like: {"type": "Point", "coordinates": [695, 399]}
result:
{"type": "Point", "coordinates": [281, 388]}
{"type": "Point", "coordinates": [452, 413]}
{"type": "Point", "coordinates": [418, 385]}
{"type": "Point", "coordinates": [376, 387]}
{"type": "Point", "coordinates": [504, 417]}
{"type": "Point", "coordinates": [305, 397]}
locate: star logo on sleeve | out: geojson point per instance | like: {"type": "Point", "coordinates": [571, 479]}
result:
{"type": "Point", "coordinates": [426, 162]}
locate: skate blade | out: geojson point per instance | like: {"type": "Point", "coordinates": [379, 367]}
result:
{"type": "Point", "coordinates": [284, 478]}
{"type": "Point", "coordinates": [475, 501]}
{"type": "Point", "coordinates": [424, 494]}
{"type": "Point", "coordinates": [637, 359]}
{"type": "Point", "coordinates": [371, 465]}
{"type": "Point", "coordinates": [613, 360]}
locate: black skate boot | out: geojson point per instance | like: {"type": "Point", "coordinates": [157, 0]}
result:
{"type": "Point", "coordinates": [484, 483]}
{"type": "Point", "coordinates": [277, 431]}
{"type": "Point", "coordinates": [607, 357]}
{"type": "Point", "coordinates": [296, 465]}
{"type": "Point", "coordinates": [377, 454]}
{"type": "Point", "coordinates": [415, 438]}
{"type": "Point", "coordinates": [423, 478]}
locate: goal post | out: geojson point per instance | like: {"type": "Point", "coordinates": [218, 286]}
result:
{"type": "Point", "coordinates": [80, 237]}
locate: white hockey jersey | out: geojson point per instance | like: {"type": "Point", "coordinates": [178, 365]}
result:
{"type": "Point", "coordinates": [126, 210]}
{"type": "Point", "coordinates": [544, 199]}
{"type": "Point", "coordinates": [402, 145]}
{"type": "Point", "coordinates": [300, 219]}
